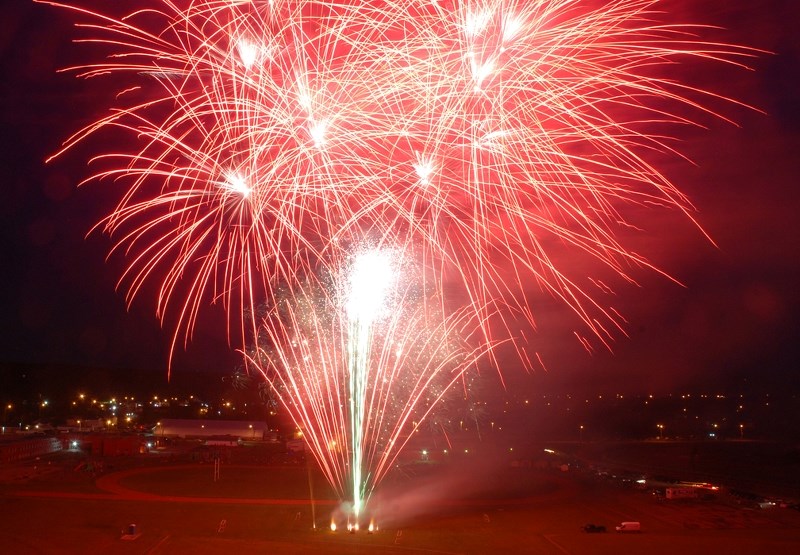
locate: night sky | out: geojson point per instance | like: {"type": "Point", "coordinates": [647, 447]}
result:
{"type": "Point", "coordinates": [733, 321]}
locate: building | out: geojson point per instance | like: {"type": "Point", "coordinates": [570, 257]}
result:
{"type": "Point", "coordinates": [246, 430]}
{"type": "Point", "coordinates": [28, 448]}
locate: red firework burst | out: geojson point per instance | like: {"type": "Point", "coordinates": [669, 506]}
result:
{"type": "Point", "coordinates": [481, 138]}
{"type": "Point", "coordinates": [274, 135]}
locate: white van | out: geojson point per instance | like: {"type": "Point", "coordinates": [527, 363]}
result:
{"type": "Point", "coordinates": [629, 527]}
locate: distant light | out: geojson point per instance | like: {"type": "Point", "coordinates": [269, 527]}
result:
{"type": "Point", "coordinates": [549, 451]}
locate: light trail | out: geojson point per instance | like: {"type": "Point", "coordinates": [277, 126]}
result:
{"type": "Point", "coordinates": [266, 137]}
{"type": "Point", "coordinates": [487, 139]}
{"type": "Point", "coordinates": [370, 279]}
{"type": "Point", "coordinates": [359, 360]}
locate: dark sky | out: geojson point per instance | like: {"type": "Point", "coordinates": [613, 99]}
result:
{"type": "Point", "coordinates": [734, 321]}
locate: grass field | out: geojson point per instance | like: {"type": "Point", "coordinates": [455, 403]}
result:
{"type": "Point", "coordinates": [466, 508]}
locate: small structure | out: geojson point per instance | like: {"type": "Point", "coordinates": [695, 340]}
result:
{"type": "Point", "coordinates": [214, 430]}
{"type": "Point", "coordinates": [681, 493]}
{"type": "Point", "coordinates": [296, 446]}
{"type": "Point", "coordinates": [110, 444]}
{"type": "Point", "coordinates": [28, 448]}
{"type": "Point", "coordinates": [131, 533]}
{"type": "Point", "coordinates": [88, 424]}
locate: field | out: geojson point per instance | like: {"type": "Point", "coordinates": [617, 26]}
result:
{"type": "Point", "coordinates": [159, 505]}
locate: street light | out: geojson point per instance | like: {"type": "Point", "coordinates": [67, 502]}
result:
{"type": "Point", "coordinates": [660, 431]}
{"type": "Point", "coordinates": [741, 431]}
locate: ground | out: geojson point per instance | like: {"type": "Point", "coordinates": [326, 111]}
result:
{"type": "Point", "coordinates": [158, 504]}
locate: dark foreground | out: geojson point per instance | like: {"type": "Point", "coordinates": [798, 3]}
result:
{"type": "Point", "coordinates": [464, 509]}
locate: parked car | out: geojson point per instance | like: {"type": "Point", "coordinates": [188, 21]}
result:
{"type": "Point", "coordinates": [629, 527]}
{"type": "Point", "coordinates": [594, 529]}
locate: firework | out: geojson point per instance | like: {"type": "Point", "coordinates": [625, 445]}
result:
{"type": "Point", "coordinates": [480, 138]}
{"type": "Point", "coordinates": [490, 135]}
{"type": "Point", "coordinates": [370, 278]}
{"type": "Point", "coordinates": [359, 361]}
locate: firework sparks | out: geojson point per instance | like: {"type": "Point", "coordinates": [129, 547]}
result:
{"type": "Point", "coordinates": [359, 360]}
{"type": "Point", "coordinates": [370, 279]}
{"type": "Point", "coordinates": [483, 136]}
{"type": "Point", "coordinates": [274, 134]}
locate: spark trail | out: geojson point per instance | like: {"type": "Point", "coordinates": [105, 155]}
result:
{"type": "Point", "coordinates": [359, 360]}
{"type": "Point", "coordinates": [370, 279]}
{"type": "Point", "coordinates": [485, 138]}
{"type": "Point", "coordinates": [491, 135]}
